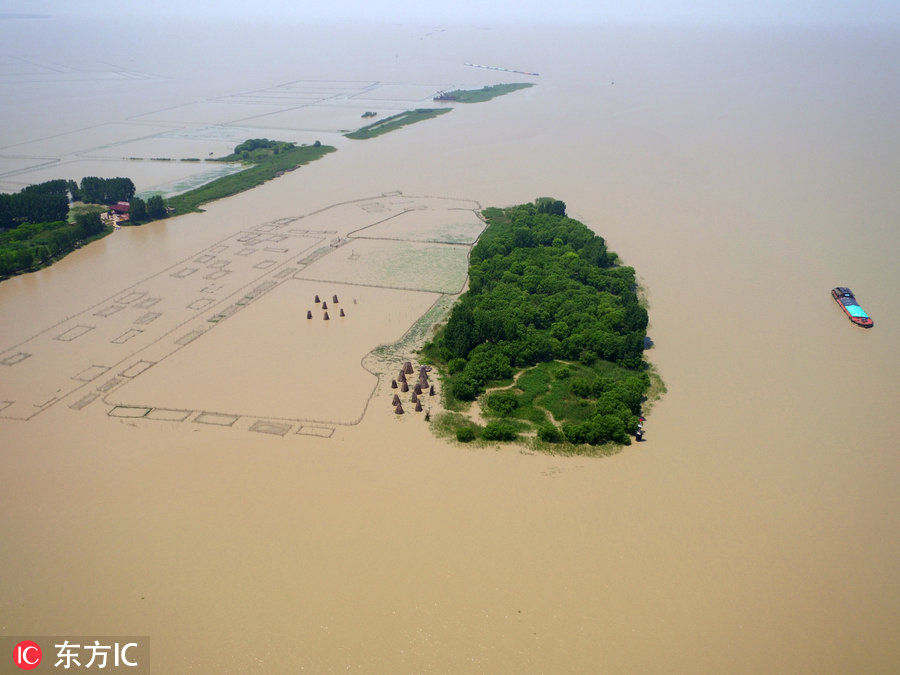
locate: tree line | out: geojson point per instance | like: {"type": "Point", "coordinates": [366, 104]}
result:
{"type": "Point", "coordinates": [153, 209]}
{"type": "Point", "coordinates": [543, 288]}
{"type": "Point", "coordinates": [34, 227]}
{"type": "Point", "coordinates": [48, 202]}
{"type": "Point", "coordinates": [107, 191]}
{"type": "Point", "coordinates": [40, 203]}
{"type": "Point", "coordinates": [33, 245]}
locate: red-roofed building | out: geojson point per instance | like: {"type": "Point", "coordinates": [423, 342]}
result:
{"type": "Point", "coordinates": [120, 208]}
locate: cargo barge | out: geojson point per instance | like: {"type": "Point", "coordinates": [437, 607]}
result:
{"type": "Point", "coordinates": [844, 298]}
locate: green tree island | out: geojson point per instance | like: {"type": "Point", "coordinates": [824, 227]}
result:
{"type": "Point", "coordinates": [553, 329]}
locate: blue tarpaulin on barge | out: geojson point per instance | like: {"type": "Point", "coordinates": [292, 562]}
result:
{"type": "Point", "coordinates": [857, 311]}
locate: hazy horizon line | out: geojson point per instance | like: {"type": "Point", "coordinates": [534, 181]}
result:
{"type": "Point", "coordinates": [473, 13]}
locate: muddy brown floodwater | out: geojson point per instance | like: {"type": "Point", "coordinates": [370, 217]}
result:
{"type": "Point", "coordinates": [743, 173]}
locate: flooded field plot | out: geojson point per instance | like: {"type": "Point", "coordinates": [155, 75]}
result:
{"type": "Point", "coordinates": [146, 175]}
{"type": "Point", "coordinates": [209, 112]}
{"type": "Point", "coordinates": [409, 93]}
{"type": "Point", "coordinates": [128, 411]}
{"type": "Point", "coordinates": [451, 227]}
{"type": "Point", "coordinates": [167, 415]}
{"type": "Point", "coordinates": [94, 139]}
{"type": "Point", "coordinates": [72, 355]}
{"type": "Point", "coordinates": [225, 137]}
{"type": "Point", "coordinates": [14, 171]}
{"type": "Point", "coordinates": [328, 85]}
{"type": "Point", "coordinates": [295, 369]}
{"type": "Point", "coordinates": [355, 216]}
{"type": "Point", "coordinates": [164, 145]}
{"type": "Point", "coordinates": [189, 314]}
{"type": "Point", "coordinates": [278, 97]}
{"type": "Point", "coordinates": [324, 117]}
{"type": "Point", "coordinates": [439, 268]}
{"type": "Point", "coordinates": [349, 216]}
{"type": "Point", "coordinates": [205, 173]}
{"type": "Point", "coordinates": [274, 428]}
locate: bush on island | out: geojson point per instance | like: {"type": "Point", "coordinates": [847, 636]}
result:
{"type": "Point", "coordinates": [465, 434]}
{"type": "Point", "coordinates": [499, 430]}
{"type": "Point", "coordinates": [502, 402]}
{"type": "Point", "coordinates": [463, 388]}
{"type": "Point", "coordinates": [549, 433]}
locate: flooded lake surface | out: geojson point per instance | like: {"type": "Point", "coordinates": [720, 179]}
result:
{"type": "Point", "coordinates": [743, 173]}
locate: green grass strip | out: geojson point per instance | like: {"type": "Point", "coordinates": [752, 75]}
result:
{"type": "Point", "coordinates": [257, 174]}
{"type": "Point", "coordinates": [395, 122]}
{"type": "Point", "coordinates": [483, 94]}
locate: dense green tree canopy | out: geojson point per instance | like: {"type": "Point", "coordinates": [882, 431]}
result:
{"type": "Point", "coordinates": [138, 210]}
{"type": "Point", "coordinates": [40, 203]}
{"type": "Point", "coordinates": [156, 207]}
{"type": "Point", "coordinates": [543, 287]}
{"type": "Point", "coordinates": [252, 144]}
{"type": "Point", "coordinates": [106, 190]}
{"type": "Point", "coordinates": [31, 245]}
